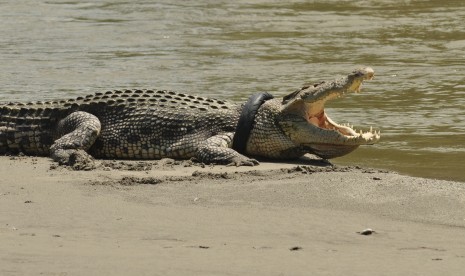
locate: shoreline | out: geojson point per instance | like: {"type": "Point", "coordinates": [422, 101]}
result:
{"type": "Point", "coordinates": [175, 217]}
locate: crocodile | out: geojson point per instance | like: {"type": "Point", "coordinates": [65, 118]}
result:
{"type": "Point", "coordinates": [155, 124]}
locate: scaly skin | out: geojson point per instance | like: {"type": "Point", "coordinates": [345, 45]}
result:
{"type": "Point", "coordinates": [148, 124]}
{"type": "Point", "coordinates": [306, 126]}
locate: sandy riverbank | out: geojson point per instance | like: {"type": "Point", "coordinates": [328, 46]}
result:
{"type": "Point", "coordinates": [165, 218]}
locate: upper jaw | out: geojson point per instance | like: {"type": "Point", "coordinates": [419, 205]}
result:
{"type": "Point", "coordinates": [330, 90]}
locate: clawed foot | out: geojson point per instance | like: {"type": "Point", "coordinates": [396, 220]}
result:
{"type": "Point", "coordinates": [239, 161]}
{"type": "Point", "coordinates": [78, 160]}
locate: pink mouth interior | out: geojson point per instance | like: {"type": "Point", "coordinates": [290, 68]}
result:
{"type": "Point", "coordinates": [321, 120]}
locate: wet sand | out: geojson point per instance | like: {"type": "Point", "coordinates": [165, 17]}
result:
{"type": "Point", "coordinates": [178, 218]}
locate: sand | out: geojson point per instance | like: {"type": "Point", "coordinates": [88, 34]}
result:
{"type": "Point", "coordinates": [179, 218]}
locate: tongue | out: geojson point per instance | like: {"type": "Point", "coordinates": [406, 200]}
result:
{"type": "Point", "coordinates": [318, 120]}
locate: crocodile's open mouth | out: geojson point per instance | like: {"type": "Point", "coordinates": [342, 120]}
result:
{"type": "Point", "coordinates": [322, 120]}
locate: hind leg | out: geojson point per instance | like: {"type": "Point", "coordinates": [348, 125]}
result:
{"type": "Point", "coordinates": [77, 132]}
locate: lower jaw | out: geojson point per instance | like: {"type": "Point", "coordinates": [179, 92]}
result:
{"type": "Point", "coordinates": [329, 151]}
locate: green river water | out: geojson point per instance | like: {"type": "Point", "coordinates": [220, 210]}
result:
{"type": "Point", "coordinates": [231, 49]}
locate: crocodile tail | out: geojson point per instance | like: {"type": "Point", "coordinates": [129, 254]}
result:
{"type": "Point", "coordinates": [3, 134]}
{"type": "Point", "coordinates": [2, 141]}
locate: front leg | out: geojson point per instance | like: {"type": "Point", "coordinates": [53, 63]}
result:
{"type": "Point", "coordinates": [77, 132]}
{"type": "Point", "coordinates": [217, 150]}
